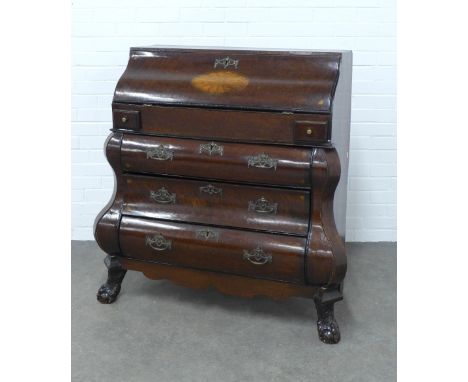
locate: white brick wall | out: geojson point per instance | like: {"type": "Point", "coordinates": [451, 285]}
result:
{"type": "Point", "coordinates": [103, 31]}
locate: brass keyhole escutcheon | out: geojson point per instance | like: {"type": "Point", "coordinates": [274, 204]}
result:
{"type": "Point", "coordinates": [309, 131]}
{"type": "Point", "coordinates": [124, 119]}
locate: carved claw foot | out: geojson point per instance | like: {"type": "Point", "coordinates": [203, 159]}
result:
{"type": "Point", "coordinates": [109, 291]}
{"type": "Point", "coordinates": [328, 329]}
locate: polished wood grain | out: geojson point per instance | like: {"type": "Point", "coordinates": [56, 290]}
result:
{"type": "Point", "coordinates": [292, 81]}
{"type": "Point", "coordinates": [183, 157]}
{"type": "Point", "coordinates": [252, 207]}
{"type": "Point", "coordinates": [231, 172]}
{"type": "Point", "coordinates": [222, 250]}
{"type": "Point", "coordinates": [325, 255]}
{"type": "Point", "coordinates": [107, 222]}
{"type": "Point", "coordinates": [232, 285]}
{"type": "Point", "coordinates": [226, 125]}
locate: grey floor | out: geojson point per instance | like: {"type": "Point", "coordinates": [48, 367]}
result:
{"type": "Point", "coordinates": [157, 331]}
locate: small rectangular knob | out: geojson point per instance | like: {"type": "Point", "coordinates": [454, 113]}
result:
{"type": "Point", "coordinates": [126, 119]}
{"type": "Point", "coordinates": [311, 131]}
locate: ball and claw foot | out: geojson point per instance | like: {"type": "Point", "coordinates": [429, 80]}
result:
{"type": "Point", "coordinates": [109, 291]}
{"type": "Point", "coordinates": [328, 329]}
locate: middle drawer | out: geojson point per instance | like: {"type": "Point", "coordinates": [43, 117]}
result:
{"type": "Point", "coordinates": [263, 164]}
{"type": "Point", "coordinates": [223, 204]}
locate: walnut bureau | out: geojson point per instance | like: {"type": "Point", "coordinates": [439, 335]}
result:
{"type": "Point", "coordinates": [231, 172]}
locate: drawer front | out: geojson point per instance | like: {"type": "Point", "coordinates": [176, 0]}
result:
{"type": "Point", "coordinates": [227, 125]}
{"type": "Point", "coordinates": [259, 208]}
{"type": "Point", "coordinates": [126, 119]}
{"type": "Point", "coordinates": [216, 160]}
{"type": "Point", "coordinates": [253, 254]}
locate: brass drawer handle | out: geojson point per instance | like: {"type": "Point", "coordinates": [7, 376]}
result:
{"type": "Point", "coordinates": [211, 190]}
{"type": "Point", "coordinates": [158, 242]}
{"type": "Point", "coordinates": [262, 161]}
{"type": "Point", "coordinates": [160, 152]}
{"type": "Point", "coordinates": [263, 206]}
{"type": "Point", "coordinates": [225, 62]}
{"type": "Point", "coordinates": [207, 234]}
{"type": "Point", "coordinates": [257, 256]}
{"type": "Point", "coordinates": [211, 148]}
{"type": "Point", "coordinates": [163, 196]}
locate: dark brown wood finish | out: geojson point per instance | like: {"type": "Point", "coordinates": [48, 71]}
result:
{"type": "Point", "coordinates": [126, 118]}
{"type": "Point", "coordinates": [107, 222]}
{"type": "Point", "coordinates": [261, 255]}
{"type": "Point", "coordinates": [293, 81]}
{"type": "Point", "coordinates": [325, 256]}
{"type": "Point", "coordinates": [222, 204]}
{"type": "Point", "coordinates": [233, 285]}
{"type": "Point", "coordinates": [227, 125]}
{"type": "Point", "coordinates": [231, 172]}
{"type": "Point", "coordinates": [259, 164]}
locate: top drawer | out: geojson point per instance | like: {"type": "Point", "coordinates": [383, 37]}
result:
{"type": "Point", "coordinates": [228, 125]}
{"type": "Point", "coordinates": [216, 160]}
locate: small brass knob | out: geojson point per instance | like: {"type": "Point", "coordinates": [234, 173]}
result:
{"type": "Point", "coordinates": [309, 131]}
{"type": "Point", "coordinates": [124, 119]}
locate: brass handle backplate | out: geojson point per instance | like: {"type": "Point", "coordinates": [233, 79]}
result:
{"type": "Point", "coordinates": [211, 190]}
{"type": "Point", "coordinates": [160, 152]}
{"type": "Point", "coordinates": [211, 148]}
{"type": "Point", "coordinates": [262, 161]}
{"type": "Point", "coordinates": [163, 196]}
{"type": "Point", "coordinates": [207, 234]}
{"type": "Point", "coordinates": [257, 256]}
{"type": "Point", "coordinates": [158, 242]}
{"type": "Point", "coordinates": [225, 62]}
{"type": "Point", "coordinates": [263, 206]}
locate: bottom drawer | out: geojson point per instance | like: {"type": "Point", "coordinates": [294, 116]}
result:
{"type": "Point", "coordinates": [260, 255]}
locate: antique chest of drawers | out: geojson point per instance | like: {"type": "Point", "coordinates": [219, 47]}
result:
{"type": "Point", "coordinates": [231, 172]}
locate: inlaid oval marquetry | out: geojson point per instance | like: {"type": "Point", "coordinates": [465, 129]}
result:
{"type": "Point", "coordinates": [220, 82]}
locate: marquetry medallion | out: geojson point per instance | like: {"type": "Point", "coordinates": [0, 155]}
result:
{"type": "Point", "coordinates": [220, 82]}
